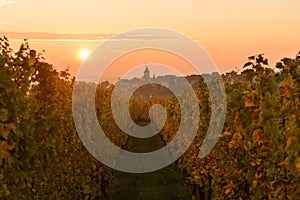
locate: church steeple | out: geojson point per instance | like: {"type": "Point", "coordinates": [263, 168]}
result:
{"type": "Point", "coordinates": [146, 73]}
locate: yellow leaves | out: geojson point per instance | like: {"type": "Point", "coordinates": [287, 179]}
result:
{"type": "Point", "coordinates": [5, 146]}
{"type": "Point", "coordinates": [286, 86]}
{"type": "Point", "coordinates": [87, 189]}
{"type": "Point", "coordinates": [226, 133]}
{"type": "Point", "coordinates": [239, 137]}
{"type": "Point", "coordinates": [238, 128]}
{"type": "Point", "coordinates": [254, 183]}
{"type": "Point", "coordinates": [228, 191]}
{"type": "Point", "coordinates": [246, 92]}
{"type": "Point", "coordinates": [286, 92]}
{"type": "Point", "coordinates": [236, 117]}
{"type": "Point", "coordinates": [3, 114]}
{"type": "Point", "coordinates": [286, 107]}
{"type": "Point", "coordinates": [31, 61]}
{"type": "Point", "coordinates": [231, 144]}
{"type": "Point", "coordinates": [293, 115]}
{"type": "Point", "coordinates": [235, 140]}
{"type": "Point", "coordinates": [256, 135]}
{"type": "Point", "coordinates": [285, 162]}
{"type": "Point", "coordinates": [194, 173]}
{"type": "Point", "coordinates": [4, 149]}
{"type": "Point", "coordinates": [298, 163]}
{"type": "Point", "coordinates": [254, 92]}
{"type": "Point", "coordinates": [256, 162]}
{"type": "Point", "coordinates": [291, 142]}
{"type": "Point", "coordinates": [248, 101]}
{"type": "Point", "coordinates": [196, 177]}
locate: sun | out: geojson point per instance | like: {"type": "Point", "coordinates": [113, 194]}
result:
{"type": "Point", "coordinates": [84, 54]}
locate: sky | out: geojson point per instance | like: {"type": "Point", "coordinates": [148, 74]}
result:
{"type": "Point", "coordinates": [229, 30]}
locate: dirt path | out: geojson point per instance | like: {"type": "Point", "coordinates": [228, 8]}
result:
{"type": "Point", "coordinates": [163, 184]}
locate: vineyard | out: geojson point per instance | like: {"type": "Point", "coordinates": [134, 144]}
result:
{"type": "Point", "coordinates": [257, 155]}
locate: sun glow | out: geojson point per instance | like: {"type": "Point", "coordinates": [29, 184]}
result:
{"type": "Point", "coordinates": [84, 54]}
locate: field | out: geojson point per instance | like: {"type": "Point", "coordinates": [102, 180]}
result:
{"type": "Point", "coordinates": [257, 155]}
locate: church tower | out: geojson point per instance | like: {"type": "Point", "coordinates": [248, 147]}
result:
{"type": "Point", "coordinates": [146, 73]}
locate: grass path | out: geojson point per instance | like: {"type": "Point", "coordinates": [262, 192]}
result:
{"type": "Point", "coordinates": [163, 184]}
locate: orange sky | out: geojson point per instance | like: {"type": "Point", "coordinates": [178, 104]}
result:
{"type": "Point", "coordinates": [145, 58]}
{"type": "Point", "coordinates": [229, 30]}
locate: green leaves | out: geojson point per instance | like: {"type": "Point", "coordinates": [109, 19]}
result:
{"type": "Point", "coordinates": [279, 65]}
{"type": "Point", "coordinates": [260, 142]}
{"type": "Point", "coordinates": [39, 148]}
{"type": "Point", "coordinates": [248, 64]}
{"type": "Point", "coordinates": [256, 61]}
{"type": "Point", "coordinates": [256, 157]}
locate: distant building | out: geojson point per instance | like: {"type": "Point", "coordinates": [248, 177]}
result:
{"type": "Point", "coordinates": [146, 74]}
{"type": "Point", "coordinates": [161, 88]}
